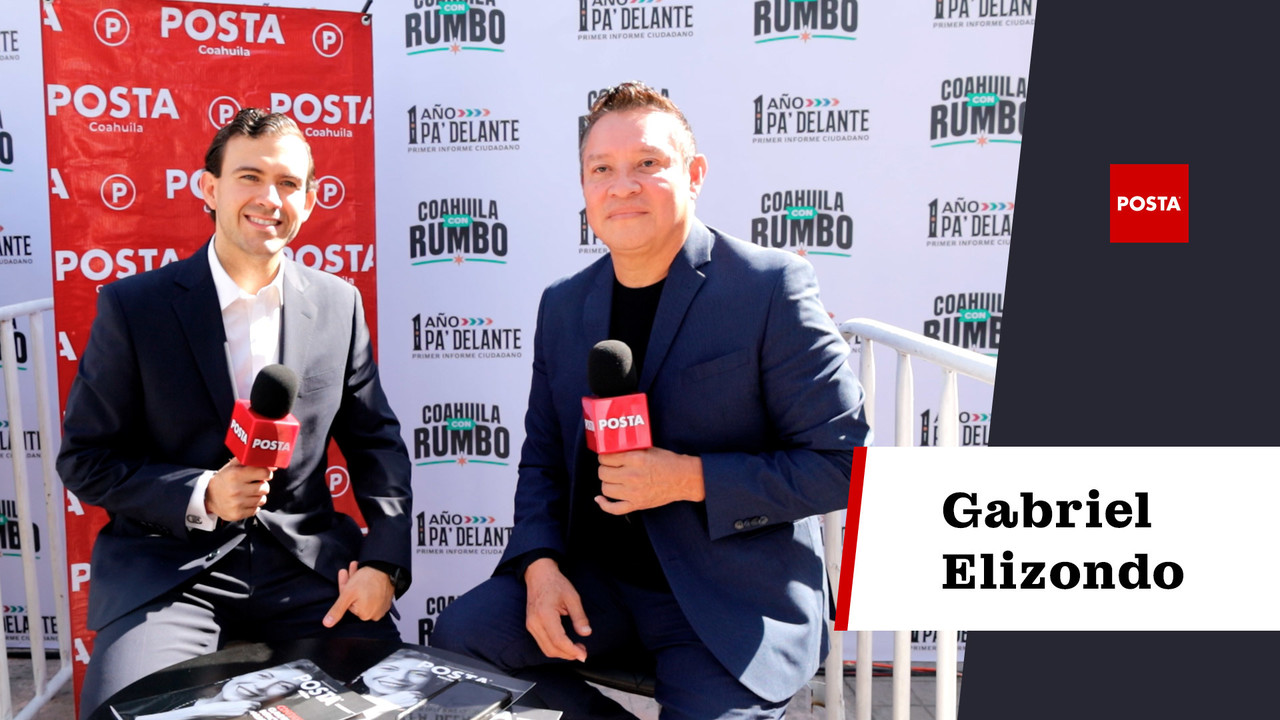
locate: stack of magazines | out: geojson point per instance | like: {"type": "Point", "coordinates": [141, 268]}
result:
{"type": "Point", "coordinates": [409, 683]}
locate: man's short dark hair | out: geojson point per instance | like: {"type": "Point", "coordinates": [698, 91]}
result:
{"type": "Point", "coordinates": [635, 95]}
{"type": "Point", "coordinates": [254, 123]}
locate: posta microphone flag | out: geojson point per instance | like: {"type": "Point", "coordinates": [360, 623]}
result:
{"type": "Point", "coordinates": [263, 432]}
{"type": "Point", "coordinates": [617, 418]}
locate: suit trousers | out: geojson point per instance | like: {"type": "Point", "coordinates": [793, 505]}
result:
{"type": "Point", "coordinates": [629, 626]}
{"type": "Point", "coordinates": [259, 592]}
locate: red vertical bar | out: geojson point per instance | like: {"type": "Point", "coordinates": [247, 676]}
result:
{"type": "Point", "coordinates": [851, 519]}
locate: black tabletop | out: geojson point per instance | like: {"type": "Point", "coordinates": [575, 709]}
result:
{"type": "Point", "coordinates": [342, 658]}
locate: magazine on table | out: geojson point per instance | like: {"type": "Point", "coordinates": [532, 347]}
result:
{"type": "Point", "coordinates": [297, 690]}
{"type": "Point", "coordinates": [416, 684]}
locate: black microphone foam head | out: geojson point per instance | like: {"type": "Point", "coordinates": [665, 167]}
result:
{"type": "Point", "coordinates": [274, 391]}
{"type": "Point", "coordinates": [611, 370]}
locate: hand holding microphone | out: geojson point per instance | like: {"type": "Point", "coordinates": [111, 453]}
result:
{"type": "Point", "coordinates": [634, 475]}
{"type": "Point", "coordinates": [261, 438]}
{"type": "Point", "coordinates": [643, 479]}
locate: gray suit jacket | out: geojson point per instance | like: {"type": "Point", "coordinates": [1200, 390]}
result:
{"type": "Point", "coordinates": [148, 413]}
{"type": "Point", "coordinates": [745, 369]}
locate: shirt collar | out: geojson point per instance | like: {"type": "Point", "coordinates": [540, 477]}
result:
{"type": "Point", "coordinates": [229, 292]}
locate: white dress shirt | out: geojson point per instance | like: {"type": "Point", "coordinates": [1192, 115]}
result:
{"type": "Point", "coordinates": [252, 326]}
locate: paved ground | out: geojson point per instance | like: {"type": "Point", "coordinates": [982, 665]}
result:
{"type": "Point", "coordinates": [60, 707]}
{"type": "Point", "coordinates": [805, 706]}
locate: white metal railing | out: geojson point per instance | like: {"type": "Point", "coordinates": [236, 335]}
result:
{"type": "Point", "coordinates": [833, 667]}
{"type": "Point", "coordinates": [45, 687]}
{"type": "Point", "coordinates": [952, 360]}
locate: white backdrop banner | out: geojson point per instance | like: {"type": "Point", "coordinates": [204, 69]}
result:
{"type": "Point", "coordinates": [878, 140]}
{"type": "Point", "coordinates": [24, 275]}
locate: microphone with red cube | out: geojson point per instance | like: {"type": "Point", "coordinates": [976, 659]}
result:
{"type": "Point", "coordinates": [263, 431]}
{"type": "Point", "coordinates": [617, 417]}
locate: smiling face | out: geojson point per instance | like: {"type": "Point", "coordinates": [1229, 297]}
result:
{"type": "Point", "coordinates": [395, 675]}
{"type": "Point", "coordinates": [640, 185]}
{"type": "Point", "coordinates": [260, 197]}
{"type": "Point", "coordinates": [263, 685]}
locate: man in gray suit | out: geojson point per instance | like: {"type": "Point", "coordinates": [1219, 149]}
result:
{"type": "Point", "coordinates": [702, 551]}
{"type": "Point", "coordinates": [199, 549]}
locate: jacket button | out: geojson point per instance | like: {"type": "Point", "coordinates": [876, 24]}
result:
{"type": "Point", "coordinates": [763, 519]}
{"type": "Point", "coordinates": [738, 524]}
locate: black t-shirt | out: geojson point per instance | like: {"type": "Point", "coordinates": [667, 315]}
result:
{"type": "Point", "coordinates": [618, 544]}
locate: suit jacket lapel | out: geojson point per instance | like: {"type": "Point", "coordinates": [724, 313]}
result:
{"type": "Point", "coordinates": [595, 327]}
{"type": "Point", "coordinates": [298, 321]}
{"type": "Point", "coordinates": [196, 305]}
{"type": "Point", "coordinates": [596, 306]}
{"type": "Point", "coordinates": [683, 281]}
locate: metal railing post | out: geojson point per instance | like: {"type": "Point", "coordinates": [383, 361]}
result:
{"type": "Point", "coordinates": [833, 696]}
{"type": "Point", "coordinates": [953, 361]}
{"type": "Point", "coordinates": [44, 686]}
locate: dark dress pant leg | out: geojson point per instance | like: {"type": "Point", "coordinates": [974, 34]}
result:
{"type": "Point", "coordinates": [488, 623]}
{"type": "Point", "coordinates": [691, 684]}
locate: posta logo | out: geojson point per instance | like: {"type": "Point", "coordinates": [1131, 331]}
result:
{"type": "Point", "coordinates": [1149, 204]}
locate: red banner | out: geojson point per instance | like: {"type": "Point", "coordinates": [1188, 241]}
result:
{"type": "Point", "coordinates": [133, 97]}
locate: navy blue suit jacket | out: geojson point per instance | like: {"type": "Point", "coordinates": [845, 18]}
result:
{"type": "Point", "coordinates": [746, 370]}
{"type": "Point", "coordinates": [148, 413]}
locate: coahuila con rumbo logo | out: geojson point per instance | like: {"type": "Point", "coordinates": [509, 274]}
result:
{"type": "Point", "coordinates": [804, 20]}
{"type": "Point", "coordinates": [809, 222]}
{"type": "Point", "coordinates": [455, 26]}
{"type": "Point", "coordinates": [979, 109]}
{"type": "Point", "coordinates": [461, 433]}
{"type": "Point", "coordinates": [972, 428]}
{"type": "Point", "coordinates": [434, 606]}
{"type": "Point", "coordinates": [455, 128]}
{"type": "Point", "coordinates": [788, 119]}
{"type": "Point", "coordinates": [983, 13]}
{"type": "Point", "coordinates": [463, 337]}
{"type": "Point", "coordinates": [633, 19]}
{"type": "Point", "coordinates": [10, 532]}
{"type": "Point", "coordinates": [967, 320]}
{"type": "Point", "coordinates": [458, 230]}
{"type": "Point", "coordinates": [972, 223]}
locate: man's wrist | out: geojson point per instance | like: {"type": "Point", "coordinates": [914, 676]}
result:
{"type": "Point", "coordinates": [199, 516]}
{"type": "Point", "coordinates": [397, 575]}
{"type": "Point", "coordinates": [697, 483]}
{"type": "Point", "coordinates": [544, 562]}
{"type": "Point", "coordinates": [533, 556]}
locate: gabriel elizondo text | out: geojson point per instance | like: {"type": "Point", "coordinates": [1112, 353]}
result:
{"type": "Point", "coordinates": [985, 572]}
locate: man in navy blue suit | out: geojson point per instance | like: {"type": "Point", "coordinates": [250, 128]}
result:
{"type": "Point", "coordinates": [703, 552]}
{"type": "Point", "coordinates": [199, 549]}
